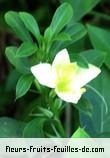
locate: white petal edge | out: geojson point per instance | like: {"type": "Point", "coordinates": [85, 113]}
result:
{"type": "Point", "coordinates": [70, 97]}
{"type": "Point", "coordinates": [43, 73]}
{"type": "Point", "coordinates": [84, 75]}
{"type": "Point", "coordinates": [61, 57]}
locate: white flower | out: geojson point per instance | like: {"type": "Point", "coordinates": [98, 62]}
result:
{"type": "Point", "coordinates": [67, 78]}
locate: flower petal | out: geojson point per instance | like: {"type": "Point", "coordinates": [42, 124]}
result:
{"type": "Point", "coordinates": [61, 58]}
{"type": "Point", "coordinates": [44, 74]}
{"type": "Point", "coordinates": [70, 96]}
{"type": "Point", "coordinates": [83, 75]}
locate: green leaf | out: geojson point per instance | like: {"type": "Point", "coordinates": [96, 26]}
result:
{"type": "Point", "coordinates": [84, 106]}
{"type": "Point", "coordinates": [80, 133]}
{"type": "Point", "coordinates": [13, 20]}
{"type": "Point", "coordinates": [46, 112]}
{"type": "Point", "coordinates": [57, 105]}
{"type": "Point", "coordinates": [11, 128]}
{"type": "Point", "coordinates": [62, 37]}
{"type": "Point", "coordinates": [23, 85]}
{"type": "Point", "coordinates": [10, 54]}
{"type": "Point", "coordinates": [34, 128]}
{"type": "Point", "coordinates": [48, 34]}
{"type": "Point", "coordinates": [30, 23]}
{"type": "Point", "coordinates": [98, 96]}
{"type": "Point", "coordinates": [18, 63]}
{"type": "Point", "coordinates": [26, 49]}
{"type": "Point", "coordinates": [81, 7]}
{"type": "Point", "coordinates": [81, 60]}
{"type": "Point", "coordinates": [95, 57]}
{"type": "Point", "coordinates": [100, 39]}
{"type": "Point", "coordinates": [41, 111]}
{"type": "Point", "coordinates": [76, 32]}
{"type": "Point", "coordinates": [61, 17]}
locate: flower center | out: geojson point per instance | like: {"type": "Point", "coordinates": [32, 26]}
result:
{"type": "Point", "coordinates": [65, 76]}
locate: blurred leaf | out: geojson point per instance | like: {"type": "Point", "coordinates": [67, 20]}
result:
{"type": "Point", "coordinates": [61, 17]}
{"type": "Point", "coordinates": [76, 32]}
{"type": "Point", "coordinates": [26, 49]}
{"type": "Point", "coordinates": [57, 105]}
{"type": "Point", "coordinates": [37, 110]}
{"type": "Point", "coordinates": [81, 7]}
{"type": "Point", "coordinates": [18, 63]}
{"type": "Point", "coordinates": [34, 129]}
{"type": "Point", "coordinates": [13, 20]}
{"type": "Point", "coordinates": [63, 37]}
{"type": "Point", "coordinates": [23, 85]}
{"type": "Point", "coordinates": [80, 133]}
{"type": "Point", "coordinates": [81, 60]}
{"type": "Point", "coordinates": [104, 135]}
{"type": "Point", "coordinates": [84, 106]}
{"type": "Point", "coordinates": [99, 97]}
{"type": "Point", "coordinates": [11, 128]}
{"type": "Point", "coordinates": [31, 24]}
{"type": "Point", "coordinates": [100, 39]}
{"type": "Point", "coordinates": [94, 57]}
{"type": "Point", "coordinates": [11, 80]}
{"type": "Point", "coordinates": [46, 112]}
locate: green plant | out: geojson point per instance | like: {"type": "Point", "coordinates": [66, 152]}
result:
{"type": "Point", "coordinates": [45, 111]}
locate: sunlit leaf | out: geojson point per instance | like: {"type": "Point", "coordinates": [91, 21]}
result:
{"type": "Point", "coordinates": [80, 133]}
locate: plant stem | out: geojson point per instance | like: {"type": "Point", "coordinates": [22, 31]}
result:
{"type": "Point", "coordinates": [55, 131]}
{"type": "Point", "coordinates": [68, 120]}
{"type": "Point", "coordinates": [60, 128]}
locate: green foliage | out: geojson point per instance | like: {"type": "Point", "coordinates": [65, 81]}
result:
{"type": "Point", "coordinates": [100, 100]}
{"type": "Point", "coordinates": [14, 21]}
{"type": "Point", "coordinates": [23, 22]}
{"type": "Point", "coordinates": [11, 55]}
{"type": "Point", "coordinates": [11, 128]}
{"type": "Point", "coordinates": [53, 32]}
{"type": "Point", "coordinates": [23, 85]}
{"type": "Point", "coordinates": [34, 129]}
{"type": "Point", "coordinates": [26, 49]}
{"type": "Point", "coordinates": [76, 32]}
{"type": "Point", "coordinates": [80, 59]}
{"type": "Point", "coordinates": [44, 112]}
{"type": "Point", "coordinates": [100, 39]}
{"type": "Point", "coordinates": [61, 17]}
{"type": "Point", "coordinates": [95, 57]}
{"type": "Point", "coordinates": [85, 106]}
{"type": "Point", "coordinates": [62, 37]}
{"type": "Point", "coordinates": [80, 133]}
{"type": "Point", "coordinates": [81, 7]}
{"type": "Point", "coordinates": [31, 24]}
